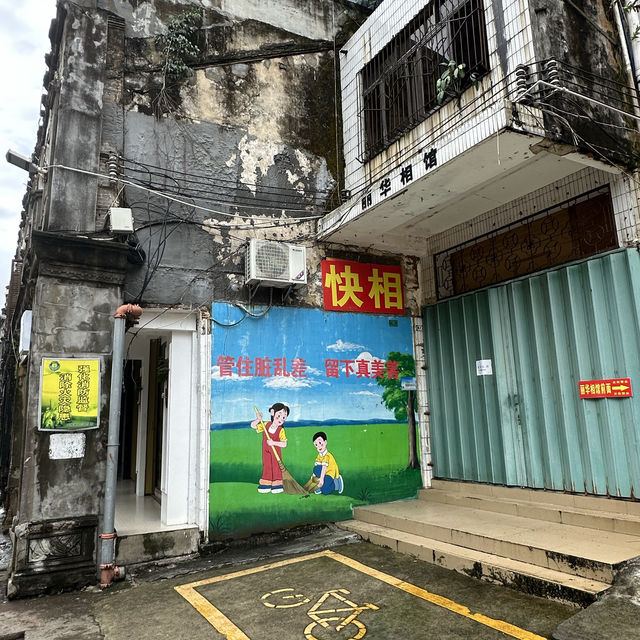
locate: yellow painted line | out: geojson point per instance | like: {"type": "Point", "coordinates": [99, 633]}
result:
{"type": "Point", "coordinates": [213, 615]}
{"type": "Point", "coordinates": [223, 625]}
{"type": "Point", "coordinates": [445, 603]}
{"type": "Point", "coordinates": [248, 572]}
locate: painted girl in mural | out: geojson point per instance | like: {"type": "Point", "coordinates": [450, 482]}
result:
{"type": "Point", "coordinates": [274, 440]}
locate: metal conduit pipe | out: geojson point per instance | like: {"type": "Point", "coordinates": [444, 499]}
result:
{"type": "Point", "coordinates": [424, 426]}
{"type": "Point", "coordinates": [633, 22]}
{"type": "Point", "coordinates": [627, 27]}
{"type": "Point", "coordinates": [125, 316]}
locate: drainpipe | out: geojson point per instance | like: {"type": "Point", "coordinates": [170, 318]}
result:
{"type": "Point", "coordinates": [628, 26]}
{"type": "Point", "coordinates": [126, 316]}
{"type": "Point", "coordinates": [633, 20]}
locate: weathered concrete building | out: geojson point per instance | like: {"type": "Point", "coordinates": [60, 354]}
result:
{"type": "Point", "coordinates": [171, 134]}
{"type": "Point", "coordinates": [480, 244]}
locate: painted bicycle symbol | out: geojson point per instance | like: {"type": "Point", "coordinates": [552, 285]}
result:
{"type": "Point", "coordinates": [320, 613]}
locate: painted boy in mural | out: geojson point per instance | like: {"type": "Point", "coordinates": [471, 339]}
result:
{"type": "Point", "coordinates": [326, 477]}
{"type": "Point", "coordinates": [274, 440]}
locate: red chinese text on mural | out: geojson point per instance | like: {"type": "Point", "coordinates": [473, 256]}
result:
{"type": "Point", "coordinates": [362, 287]}
{"type": "Point", "coordinates": [245, 367]}
{"type": "Point", "coordinates": [261, 367]}
{"type": "Point", "coordinates": [361, 368]}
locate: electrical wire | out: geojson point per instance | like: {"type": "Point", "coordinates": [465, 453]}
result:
{"type": "Point", "coordinates": [167, 196]}
{"type": "Point", "coordinates": [495, 94]}
{"type": "Point", "coordinates": [589, 118]}
{"type": "Point", "coordinates": [188, 135]}
{"type": "Point", "coordinates": [207, 224]}
{"type": "Point", "coordinates": [155, 255]}
{"type": "Point", "coordinates": [561, 89]}
{"type": "Point", "coordinates": [593, 148]}
{"type": "Point", "coordinates": [199, 178]}
{"type": "Point", "coordinates": [216, 193]}
{"type": "Point", "coordinates": [246, 313]}
{"type": "Point", "coordinates": [177, 304]}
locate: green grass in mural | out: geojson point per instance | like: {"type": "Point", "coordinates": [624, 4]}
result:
{"type": "Point", "coordinates": [372, 461]}
{"type": "Point", "coordinates": [237, 508]}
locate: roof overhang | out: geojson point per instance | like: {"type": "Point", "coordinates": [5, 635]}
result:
{"type": "Point", "coordinates": [492, 173]}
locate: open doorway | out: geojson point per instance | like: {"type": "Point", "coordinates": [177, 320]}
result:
{"type": "Point", "coordinates": [164, 438]}
{"type": "Point", "coordinates": [129, 414]}
{"type": "Point", "coordinates": [143, 416]}
{"type": "Point", "coordinates": [157, 403]}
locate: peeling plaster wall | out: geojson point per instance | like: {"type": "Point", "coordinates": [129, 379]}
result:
{"type": "Point", "coordinates": [309, 18]}
{"type": "Point", "coordinates": [258, 114]}
{"type": "Point", "coordinates": [258, 118]}
{"type": "Point", "coordinates": [78, 86]}
{"type": "Point", "coordinates": [584, 47]}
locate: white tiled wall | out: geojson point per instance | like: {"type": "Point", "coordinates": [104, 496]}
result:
{"type": "Point", "coordinates": [625, 191]}
{"type": "Point", "coordinates": [468, 123]}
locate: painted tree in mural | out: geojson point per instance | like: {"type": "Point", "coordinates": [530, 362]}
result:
{"type": "Point", "coordinates": [402, 403]}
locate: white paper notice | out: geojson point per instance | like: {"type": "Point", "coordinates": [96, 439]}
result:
{"type": "Point", "coordinates": [64, 446]}
{"type": "Point", "coordinates": [484, 368]}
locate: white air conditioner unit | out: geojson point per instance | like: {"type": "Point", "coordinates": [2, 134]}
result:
{"type": "Point", "coordinates": [275, 264]}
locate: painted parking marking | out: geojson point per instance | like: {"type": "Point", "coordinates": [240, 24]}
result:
{"type": "Point", "coordinates": [225, 626]}
{"type": "Point", "coordinates": [315, 613]}
{"type": "Point", "coordinates": [318, 615]}
{"type": "Point", "coordinates": [284, 594]}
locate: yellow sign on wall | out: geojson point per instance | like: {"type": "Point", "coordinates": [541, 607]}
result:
{"type": "Point", "coordinates": [69, 394]}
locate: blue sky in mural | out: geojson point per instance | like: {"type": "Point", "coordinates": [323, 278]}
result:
{"type": "Point", "coordinates": [310, 335]}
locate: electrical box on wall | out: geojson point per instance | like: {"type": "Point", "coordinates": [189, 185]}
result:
{"type": "Point", "coordinates": [275, 264]}
{"type": "Point", "coordinates": [120, 220]}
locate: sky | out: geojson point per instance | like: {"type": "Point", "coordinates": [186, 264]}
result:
{"type": "Point", "coordinates": [24, 29]}
{"type": "Point", "coordinates": [314, 336]}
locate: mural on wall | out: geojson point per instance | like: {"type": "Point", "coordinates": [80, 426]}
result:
{"type": "Point", "coordinates": [302, 429]}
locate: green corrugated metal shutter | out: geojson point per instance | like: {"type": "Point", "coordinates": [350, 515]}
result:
{"type": "Point", "coordinates": [526, 425]}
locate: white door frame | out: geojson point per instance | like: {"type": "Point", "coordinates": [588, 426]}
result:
{"type": "Point", "coordinates": [185, 442]}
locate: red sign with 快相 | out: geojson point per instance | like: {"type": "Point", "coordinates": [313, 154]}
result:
{"type": "Point", "coordinates": [611, 388]}
{"type": "Point", "coordinates": [362, 287]}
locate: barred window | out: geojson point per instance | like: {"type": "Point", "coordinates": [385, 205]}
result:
{"type": "Point", "coordinates": [399, 84]}
{"type": "Point", "coordinates": [572, 230]}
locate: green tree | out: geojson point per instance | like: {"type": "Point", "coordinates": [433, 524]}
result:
{"type": "Point", "coordinates": [402, 403]}
{"type": "Point", "coordinates": [179, 48]}
{"type": "Point", "coordinates": [179, 44]}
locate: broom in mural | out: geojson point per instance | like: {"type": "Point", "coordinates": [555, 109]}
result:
{"type": "Point", "coordinates": [289, 483]}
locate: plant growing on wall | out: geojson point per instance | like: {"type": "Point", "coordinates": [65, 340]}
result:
{"type": "Point", "coordinates": [628, 6]}
{"type": "Point", "coordinates": [178, 47]}
{"type": "Point", "coordinates": [454, 80]}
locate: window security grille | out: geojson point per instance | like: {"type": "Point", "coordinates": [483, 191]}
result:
{"type": "Point", "coordinates": [572, 230]}
{"type": "Point", "coordinates": [399, 84]}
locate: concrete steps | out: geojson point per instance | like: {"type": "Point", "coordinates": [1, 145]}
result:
{"type": "Point", "coordinates": [594, 512]}
{"type": "Point", "coordinates": [485, 566]}
{"type": "Point", "coordinates": [554, 545]}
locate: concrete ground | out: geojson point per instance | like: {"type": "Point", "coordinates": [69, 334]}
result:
{"type": "Point", "coordinates": [323, 586]}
